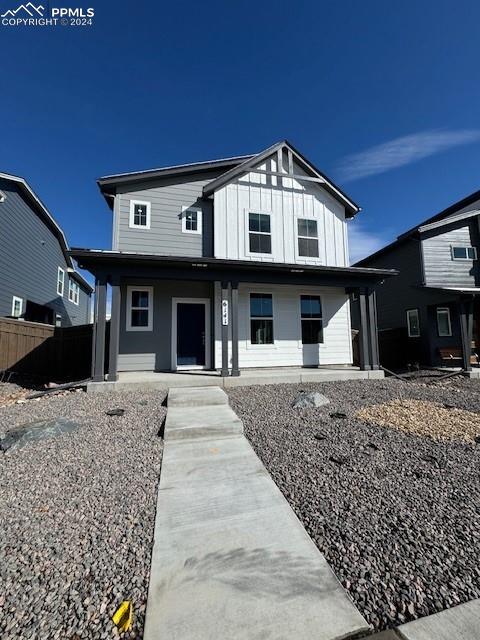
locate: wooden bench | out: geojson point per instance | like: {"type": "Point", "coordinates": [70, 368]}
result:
{"type": "Point", "coordinates": [455, 353]}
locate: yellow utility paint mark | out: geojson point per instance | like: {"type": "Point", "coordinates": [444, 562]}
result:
{"type": "Point", "coordinates": [214, 450]}
{"type": "Point", "coordinates": [123, 616]}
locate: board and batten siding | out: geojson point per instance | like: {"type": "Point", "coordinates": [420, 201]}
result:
{"type": "Point", "coordinates": [30, 255]}
{"type": "Point", "coordinates": [286, 200]}
{"type": "Point", "coordinates": [165, 236]}
{"type": "Point", "coordinates": [439, 268]}
{"type": "Point", "coordinates": [287, 349]}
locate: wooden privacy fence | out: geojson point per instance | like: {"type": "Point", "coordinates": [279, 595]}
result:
{"type": "Point", "coordinates": [55, 353]}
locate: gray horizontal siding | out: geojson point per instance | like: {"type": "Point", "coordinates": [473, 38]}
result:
{"type": "Point", "coordinates": [165, 236]}
{"type": "Point", "coordinates": [30, 255]}
{"type": "Point", "coordinates": [440, 269]}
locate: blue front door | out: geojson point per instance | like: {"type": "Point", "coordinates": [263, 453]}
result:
{"type": "Point", "coordinates": [190, 335]}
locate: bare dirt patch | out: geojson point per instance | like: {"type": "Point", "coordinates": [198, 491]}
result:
{"type": "Point", "coordinates": [424, 418]}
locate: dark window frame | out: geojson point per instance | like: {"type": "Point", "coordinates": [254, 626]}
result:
{"type": "Point", "coordinates": [258, 235]}
{"type": "Point", "coordinates": [409, 333]}
{"type": "Point", "coordinates": [311, 320]}
{"type": "Point", "coordinates": [261, 318]}
{"type": "Point", "coordinates": [308, 238]}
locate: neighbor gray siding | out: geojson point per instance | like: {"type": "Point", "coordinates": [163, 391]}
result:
{"type": "Point", "coordinates": [440, 269]}
{"type": "Point", "coordinates": [30, 255]}
{"type": "Point", "coordinates": [165, 236]}
{"type": "Point", "coordinates": [151, 350]}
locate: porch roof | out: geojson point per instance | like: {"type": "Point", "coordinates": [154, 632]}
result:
{"type": "Point", "coordinates": [104, 263]}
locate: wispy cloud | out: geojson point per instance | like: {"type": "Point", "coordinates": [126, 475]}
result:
{"type": "Point", "coordinates": [402, 151]}
{"type": "Point", "coordinates": [362, 242]}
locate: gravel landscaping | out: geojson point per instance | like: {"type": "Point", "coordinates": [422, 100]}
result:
{"type": "Point", "coordinates": [77, 513]}
{"type": "Point", "coordinates": [396, 513]}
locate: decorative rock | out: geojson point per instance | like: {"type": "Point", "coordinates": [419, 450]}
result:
{"type": "Point", "coordinates": [36, 431]}
{"type": "Point", "coordinates": [115, 412]}
{"type": "Point", "coordinates": [309, 400]}
{"type": "Point", "coordinates": [320, 435]}
{"type": "Point", "coordinates": [338, 414]}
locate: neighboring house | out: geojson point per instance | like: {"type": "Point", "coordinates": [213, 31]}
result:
{"type": "Point", "coordinates": [434, 302]}
{"type": "Point", "coordinates": [38, 281]}
{"type": "Point", "coordinates": [233, 263]}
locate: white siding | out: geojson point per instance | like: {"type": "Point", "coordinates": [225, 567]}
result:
{"type": "Point", "coordinates": [285, 200]}
{"type": "Point", "coordinates": [287, 349]}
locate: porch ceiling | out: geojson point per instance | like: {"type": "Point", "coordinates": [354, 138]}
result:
{"type": "Point", "coordinates": [119, 264]}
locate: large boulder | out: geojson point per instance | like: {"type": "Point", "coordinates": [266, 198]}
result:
{"type": "Point", "coordinates": [310, 400]}
{"type": "Point", "coordinates": [34, 431]}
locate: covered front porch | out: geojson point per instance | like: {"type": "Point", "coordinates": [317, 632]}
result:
{"type": "Point", "coordinates": [249, 317]}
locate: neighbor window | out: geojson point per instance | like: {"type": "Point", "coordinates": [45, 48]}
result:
{"type": "Point", "coordinates": [311, 317]}
{"type": "Point", "coordinates": [140, 214]}
{"type": "Point", "coordinates": [413, 323]}
{"type": "Point", "coordinates": [73, 291]}
{"type": "Point", "coordinates": [307, 238]}
{"type": "Point", "coordinates": [60, 281]}
{"type": "Point", "coordinates": [259, 233]}
{"type": "Point", "coordinates": [444, 326]}
{"type": "Point", "coordinates": [464, 253]}
{"type": "Point", "coordinates": [261, 318]}
{"type": "Point", "coordinates": [58, 319]}
{"type": "Point", "coordinates": [191, 220]}
{"type": "Point", "coordinates": [17, 306]}
{"type": "Point", "coordinates": [2, 196]}
{"type": "Point", "coordinates": [140, 309]}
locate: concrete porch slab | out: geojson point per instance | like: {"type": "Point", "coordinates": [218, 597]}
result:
{"type": "Point", "coordinates": [231, 559]}
{"type": "Point", "coordinates": [153, 380]}
{"type": "Point", "coordinates": [458, 623]}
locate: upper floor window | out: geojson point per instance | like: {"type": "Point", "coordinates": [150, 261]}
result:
{"type": "Point", "coordinates": [311, 318]}
{"type": "Point", "coordinates": [73, 291]}
{"type": "Point", "coordinates": [259, 233]}
{"type": "Point", "coordinates": [139, 308]}
{"type": "Point", "coordinates": [464, 253]}
{"type": "Point", "coordinates": [261, 318]}
{"type": "Point", "coordinates": [140, 214]}
{"type": "Point", "coordinates": [60, 281]}
{"type": "Point", "coordinates": [191, 220]}
{"type": "Point", "coordinates": [17, 307]}
{"type": "Point", "coordinates": [307, 238]}
{"type": "Point", "coordinates": [413, 323]}
{"type": "Point", "coordinates": [444, 325]}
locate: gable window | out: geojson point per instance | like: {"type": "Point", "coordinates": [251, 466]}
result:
{"type": "Point", "coordinates": [259, 233]}
{"type": "Point", "coordinates": [261, 318]}
{"type": "Point", "coordinates": [17, 307]}
{"type": "Point", "coordinates": [444, 326]}
{"type": "Point", "coordinates": [140, 214]}
{"type": "Point", "coordinates": [60, 281]}
{"type": "Point", "coordinates": [139, 308]}
{"type": "Point", "coordinates": [191, 220]}
{"type": "Point", "coordinates": [73, 291]}
{"type": "Point", "coordinates": [413, 323]}
{"type": "Point", "coordinates": [311, 318]}
{"type": "Point", "coordinates": [464, 253]}
{"type": "Point", "coordinates": [307, 238]}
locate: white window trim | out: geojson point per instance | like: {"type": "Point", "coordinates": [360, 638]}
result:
{"type": "Point", "coordinates": [75, 287]}
{"type": "Point", "coordinates": [2, 196]}
{"type": "Point", "coordinates": [128, 324]}
{"type": "Point", "coordinates": [60, 290]}
{"type": "Point", "coordinates": [250, 344]}
{"type": "Point", "coordinates": [254, 254]}
{"type": "Point", "coordinates": [298, 236]}
{"type": "Point", "coordinates": [457, 246]}
{"type": "Point", "coordinates": [14, 300]}
{"type": "Point", "coordinates": [132, 224]}
{"type": "Point", "coordinates": [410, 334]}
{"type": "Point", "coordinates": [198, 211]}
{"type": "Point", "coordinates": [444, 335]}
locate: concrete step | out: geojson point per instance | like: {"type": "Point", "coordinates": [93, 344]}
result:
{"type": "Point", "coordinates": [196, 397]}
{"type": "Point", "coordinates": [198, 423]}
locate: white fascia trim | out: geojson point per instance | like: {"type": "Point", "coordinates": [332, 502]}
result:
{"type": "Point", "coordinates": [128, 323]}
{"type": "Point", "coordinates": [450, 220]}
{"type": "Point", "coordinates": [131, 222]}
{"type": "Point", "coordinates": [198, 211]}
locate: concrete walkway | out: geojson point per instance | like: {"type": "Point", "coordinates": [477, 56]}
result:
{"type": "Point", "coordinates": [143, 380]}
{"type": "Point", "coordinates": [230, 558]}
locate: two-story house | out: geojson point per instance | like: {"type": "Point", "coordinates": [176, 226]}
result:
{"type": "Point", "coordinates": [433, 305]}
{"type": "Point", "coordinates": [38, 279]}
{"type": "Point", "coordinates": [228, 264]}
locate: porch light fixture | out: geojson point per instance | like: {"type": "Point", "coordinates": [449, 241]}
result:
{"type": "Point", "coordinates": [296, 270]}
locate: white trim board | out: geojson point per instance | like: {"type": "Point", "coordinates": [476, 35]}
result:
{"type": "Point", "coordinates": [175, 302]}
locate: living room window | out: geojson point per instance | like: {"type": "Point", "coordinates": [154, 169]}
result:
{"type": "Point", "coordinates": [139, 309]}
{"type": "Point", "coordinates": [311, 318]}
{"type": "Point", "coordinates": [413, 323]}
{"type": "Point", "coordinates": [259, 233]}
{"type": "Point", "coordinates": [444, 326]}
{"type": "Point", "coordinates": [261, 318]}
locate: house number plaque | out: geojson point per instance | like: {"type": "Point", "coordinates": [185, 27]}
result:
{"type": "Point", "coordinates": [225, 312]}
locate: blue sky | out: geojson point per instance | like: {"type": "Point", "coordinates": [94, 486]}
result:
{"type": "Point", "coordinates": [383, 97]}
